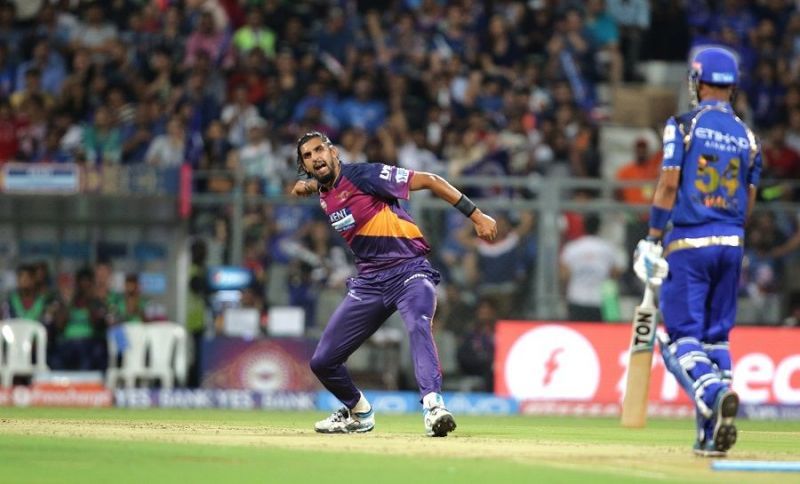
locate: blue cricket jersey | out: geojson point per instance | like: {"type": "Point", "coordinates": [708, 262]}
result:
{"type": "Point", "coordinates": [719, 159]}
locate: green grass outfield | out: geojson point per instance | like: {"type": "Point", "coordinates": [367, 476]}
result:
{"type": "Point", "coordinates": [188, 446]}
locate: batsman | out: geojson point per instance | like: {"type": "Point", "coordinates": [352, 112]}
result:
{"type": "Point", "coordinates": [706, 189]}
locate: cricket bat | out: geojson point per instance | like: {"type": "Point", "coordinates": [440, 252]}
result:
{"type": "Point", "coordinates": [637, 386]}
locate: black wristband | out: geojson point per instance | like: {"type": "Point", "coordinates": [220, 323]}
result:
{"type": "Point", "coordinates": [465, 205]}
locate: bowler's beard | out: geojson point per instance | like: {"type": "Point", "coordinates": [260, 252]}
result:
{"type": "Point", "coordinates": [328, 178]}
{"type": "Point", "coordinates": [325, 179]}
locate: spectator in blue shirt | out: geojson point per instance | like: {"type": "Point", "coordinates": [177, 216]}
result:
{"type": "Point", "coordinates": [136, 136]}
{"type": "Point", "coordinates": [766, 95]}
{"type": "Point", "coordinates": [601, 28]}
{"type": "Point", "coordinates": [204, 107]}
{"type": "Point", "coordinates": [633, 18]}
{"type": "Point", "coordinates": [49, 27]}
{"type": "Point", "coordinates": [10, 34]}
{"type": "Point", "coordinates": [316, 96]}
{"type": "Point", "coordinates": [362, 110]}
{"type": "Point", "coordinates": [8, 73]}
{"type": "Point", "coordinates": [52, 152]}
{"type": "Point", "coordinates": [736, 16]}
{"type": "Point", "coordinates": [335, 39]}
{"type": "Point", "coordinates": [50, 65]}
{"type": "Point", "coordinates": [500, 51]}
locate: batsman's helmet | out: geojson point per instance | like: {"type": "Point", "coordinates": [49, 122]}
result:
{"type": "Point", "coordinates": [713, 65]}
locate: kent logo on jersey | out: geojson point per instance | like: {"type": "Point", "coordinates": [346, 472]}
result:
{"type": "Point", "coordinates": [342, 220]}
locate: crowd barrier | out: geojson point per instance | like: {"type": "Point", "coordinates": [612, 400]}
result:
{"type": "Point", "coordinates": [541, 368]}
{"type": "Point", "coordinates": [384, 402]}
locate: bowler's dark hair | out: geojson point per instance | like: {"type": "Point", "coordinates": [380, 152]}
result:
{"type": "Point", "coordinates": [303, 140]}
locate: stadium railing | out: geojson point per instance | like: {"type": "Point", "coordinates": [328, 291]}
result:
{"type": "Point", "coordinates": [548, 199]}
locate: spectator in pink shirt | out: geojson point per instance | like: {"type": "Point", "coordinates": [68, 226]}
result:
{"type": "Point", "coordinates": [206, 39]}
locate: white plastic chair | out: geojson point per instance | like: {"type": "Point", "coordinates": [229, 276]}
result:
{"type": "Point", "coordinates": [133, 356]}
{"type": "Point", "coordinates": [16, 349]}
{"type": "Point", "coordinates": [167, 342]}
{"type": "Point", "coordinates": [241, 322]}
{"type": "Point", "coordinates": [286, 321]}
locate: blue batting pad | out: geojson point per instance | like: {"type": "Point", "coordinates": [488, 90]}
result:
{"type": "Point", "coordinates": [756, 465]}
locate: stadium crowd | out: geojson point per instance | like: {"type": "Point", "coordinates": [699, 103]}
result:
{"type": "Point", "coordinates": [453, 87]}
{"type": "Point", "coordinates": [78, 310]}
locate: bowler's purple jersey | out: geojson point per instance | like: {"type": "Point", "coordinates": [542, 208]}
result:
{"type": "Point", "coordinates": [363, 207]}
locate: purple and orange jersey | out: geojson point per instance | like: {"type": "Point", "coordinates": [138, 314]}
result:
{"type": "Point", "coordinates": [363, 207]}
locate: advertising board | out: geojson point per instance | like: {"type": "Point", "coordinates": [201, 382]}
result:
{"type": "Point", "coordinates": [575, 364]}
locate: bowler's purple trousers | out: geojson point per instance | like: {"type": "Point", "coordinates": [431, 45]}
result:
{"type": "Point", "coordinates": [371, 298]}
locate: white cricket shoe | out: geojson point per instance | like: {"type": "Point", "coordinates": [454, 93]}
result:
{"type": "Point", "coordinates": [343, 421]}
{"type": "Point", "coordinates": [438, 420]}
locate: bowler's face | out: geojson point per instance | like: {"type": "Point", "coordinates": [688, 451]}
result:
{"type": "Point", "coordinates": [319, 160]}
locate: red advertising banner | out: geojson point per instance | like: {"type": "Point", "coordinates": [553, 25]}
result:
{"type": "Point", "coordinates": [587, 363]}
{"type": "Point", "coordinates": [55, 396]}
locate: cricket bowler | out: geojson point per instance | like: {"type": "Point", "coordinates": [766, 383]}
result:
{"type": "Point", "coordinates": [361, 202]}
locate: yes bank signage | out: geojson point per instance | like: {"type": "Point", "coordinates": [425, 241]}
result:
{"type": "Point", "coordinates": [409, 402]}
{"type": "Point", "coordinates": [588, 363]}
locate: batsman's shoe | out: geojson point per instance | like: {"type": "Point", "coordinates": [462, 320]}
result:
{"type": "Point", "coordinates": [725, 408]}
{"type": "Point", "coordinates": [438, 422]}
{"type": "Point", "coordinates": [706, 449]}
{"type": "Point", "coordinates": [343, 421]}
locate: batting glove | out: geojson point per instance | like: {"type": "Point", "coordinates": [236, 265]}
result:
{"type": "Point", "coordinates": [648, 264]}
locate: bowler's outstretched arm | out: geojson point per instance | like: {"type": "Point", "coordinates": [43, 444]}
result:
{"type": "Point", "coordinates": [485, 226]}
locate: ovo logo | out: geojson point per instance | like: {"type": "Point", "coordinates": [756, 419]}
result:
{"type": "Point", "coordinates": [552, 363]}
